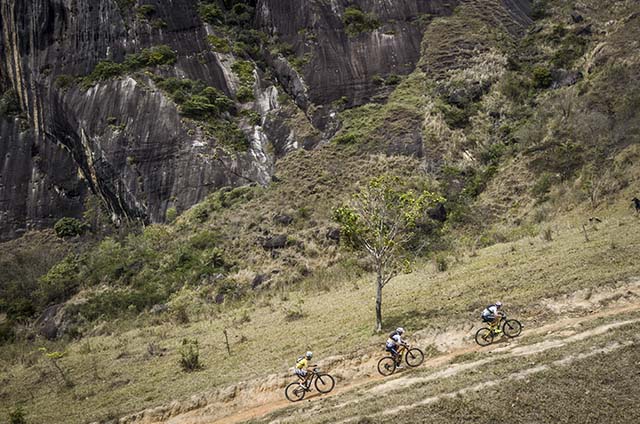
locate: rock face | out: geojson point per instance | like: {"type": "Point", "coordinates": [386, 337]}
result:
{"type": "Point", "coordinates": [123, 138]}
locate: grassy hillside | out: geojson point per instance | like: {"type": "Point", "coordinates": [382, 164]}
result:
{"type": "Point", "coordinates": [526, 135]}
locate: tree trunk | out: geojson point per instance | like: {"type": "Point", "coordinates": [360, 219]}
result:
{"type": "Point", "coordinates": [379, 302]}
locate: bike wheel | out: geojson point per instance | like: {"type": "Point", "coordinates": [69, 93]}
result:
{"type": "Point", "coordinates": [414, 357]}
{"type": "Point", "coordinates": [512, 328]}
{"type": "Point", "coordinates": [324, 383]}
{"type": "Point", "coordinates": [484, 337]}
{"type": "Point", "coordinates": [294, 392]}
{"type": "Point", "coordinates": [387, 366]}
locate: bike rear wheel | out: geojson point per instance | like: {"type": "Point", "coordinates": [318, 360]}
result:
{"type": "Point", "coordinates": [387, 365]}
{"type": "Point", "coordinates": [324, 383]}
{"type": "Point", "coordinates": [484, 337]}
{"type": "Point", "coordinates": [414, 357]}
{"type": "Point", "coordinates": [294, 392]}
{"type": "Point", "coordinates": [512, 328]}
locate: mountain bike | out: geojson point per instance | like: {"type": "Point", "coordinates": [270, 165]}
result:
{"type": "Point", "coordinates": [323, 383]}
{"type": "Point", "coordinates": [509, 327]}
{"type": "Point", "coordinates": [412, 356]}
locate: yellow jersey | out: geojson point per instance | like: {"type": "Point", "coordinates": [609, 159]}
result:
{"type": "Point", "coordinates": [302, 363]}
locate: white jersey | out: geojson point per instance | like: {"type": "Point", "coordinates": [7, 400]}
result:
{"type": "Point", "coordinates": [394, 340]}
{"type": "Point", "coordinates": [490, 310]}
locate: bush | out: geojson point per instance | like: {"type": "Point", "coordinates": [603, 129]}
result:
{"type": "Point", "coordinates": [9, 104]}
{"type": "Point", "coordinates": [146, 10]}
{"type": "Point", "coordinates": [190, 355]}
{"type": "Point", "coordinates": [198, 107]}
{"type": "Point", "coordinates": [69, 227]}
{"type": "Point", "coordinates": [542, 187]}
{"type": "Point", "coordinates": [7, 335]}
{"type": "Point", "coordinates": [64, 81]}
{"type": "Point", "coordinates": [219, 45]}
{"type": "Point", "coordinates": [17, 416]}
{"type": "Point", "coordinates": [60, 283]}
{"type": "Point", "coordinates": [346, 139]}
{"type": "Point", "coordinates": [541, 76]}
{"type": "Point", "coordinates": [245, 94]}
{"type": "Point", "coordinates": [392, 79]}
{"type": "Point", "coordinates": [171, 215]}
{"type": "Point", "coordinates": [441, 262]}
{"type": "Point", "coordinates": [357, 22]}
{"type": "Point", "coordinates": [105, 70]}
{"type": "Point", "coordinates": [539, 9]}
{"type": "Point", "coordinates": [210, 13]}
{"type": "Point", "coordinates": [159, 55]}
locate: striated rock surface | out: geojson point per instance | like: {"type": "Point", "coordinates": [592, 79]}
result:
{"type": "Point", "coordinates": [124, 138]}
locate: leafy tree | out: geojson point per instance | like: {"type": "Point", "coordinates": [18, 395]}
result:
{"type": "Point", "coordinates": [381, 220]}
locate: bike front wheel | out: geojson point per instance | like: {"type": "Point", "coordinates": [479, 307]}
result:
{"type": "Point", "coordinates": [294, 392]}
{"type": "Point", "coordinates": [414, 357]}
{"type": "Point", "coordinates": [387, 366]}
{"type": "Point", "coordinates": [512, 328]}
{"type": "Point", "coordinates": [324, 383]}
{"type": "Point", "coordinates": [484, 337]}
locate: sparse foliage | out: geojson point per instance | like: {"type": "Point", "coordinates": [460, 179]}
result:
{"type": "Point", "coordinates": [190, 355]}
{"type": "Point", "coordinates": [381, 221]}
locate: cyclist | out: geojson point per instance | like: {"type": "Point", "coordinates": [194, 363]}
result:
{"type": "Point", "coordinates": [492, 315]}
{"type": "Point", "coordinates": [394, 342]}
{"type": "Point", "coordinates": [301, 368]}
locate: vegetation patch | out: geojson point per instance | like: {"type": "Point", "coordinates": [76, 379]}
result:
{"type": "Point", "coordinates": [153, 56]}
{"type": "Point", "coordinates": [357, 22]}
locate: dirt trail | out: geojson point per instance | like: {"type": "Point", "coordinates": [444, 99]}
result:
{"type": "Point", "coordinates": [263, 401]}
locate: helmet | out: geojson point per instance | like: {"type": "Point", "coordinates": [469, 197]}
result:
{"type": "Point", "coordinates": [309, 355]}
{"type": "Point", "coordinates": [499, 304]}
{"type": "Point", "coordinates": [400, 330]}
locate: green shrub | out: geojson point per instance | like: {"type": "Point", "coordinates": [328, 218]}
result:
{"type": "Point", "coordinates": [210, 13]}
{"type": "Point", "coordinates": [230, 135]}
{"type": "Point", "coordinates": [190, 355]}
{"type": "Point", "coordinates": [69, 227]}
{"type": "Point", "coordinates": [7, 335]}
{"type": "Point", "coordinates": [219, 44]}
{"type": "Point", "coordinates": [9, 104]}
{"type": "Point", "coordinates": [377, 80]}
{"type": "Point", "coordinates": [357, 22]}
{"type": "Point", "coordinates": [145, 11]}
{"type": "Point", "coordinates": [60, 283]}
{"type": "Point", "coordinates": [17, 416]}
{"type": "Point", "coordinates": [245, 94]}
{"type": "Point", "coordinates": [244, 71]}
{"type": "Point", "coordinates": [105, 70]}
{"type": "Point", "coordinates": [198, 107]}
{"type": "Point", "coordinates": [159, 55]}
{"type": "Point", "coordinates": [542, 186]}
{"type": "Point", "coordinates": [541, 76]}
{"type": "Point", "coordinates": [441, 262]}
{"type": "Point", "coordinates": [346, 139]}
{"type": "Point", "coordinates": [204, 240]}
{"type": "Point", "coordinates": [539, 9]}
{"type": "Point", "coordinates": [64, 81]}
{"type": "Point", "coordinates": [171, 214]}
{"type": "Point", "coordinates": [392, 79]}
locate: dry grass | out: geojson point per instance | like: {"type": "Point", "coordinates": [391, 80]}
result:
{"type": "Point", "coordinates": [114, 373]}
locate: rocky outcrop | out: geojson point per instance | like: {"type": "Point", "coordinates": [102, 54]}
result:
{"type": "Point", "coordinates": [124, 139]}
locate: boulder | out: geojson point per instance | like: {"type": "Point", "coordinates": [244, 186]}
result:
{"type": "Point", "coordinates": [48, 323]}
{"type": "Point", "coordinates": [438, 213]}
{"type": "Point", "coordinates": [333, 234]}
{"type": "Point", "coordinates": [283, 219]}
{"type": "Point", "coordinates": [258, 280]}
{"type": "Point", "coordinates": [275, 242]}
{"type": "Point", "coordinates": [563, 78]}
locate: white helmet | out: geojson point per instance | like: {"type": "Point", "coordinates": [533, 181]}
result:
{"type": "Point", "coordinates": [499, 304]}
{"type": "Point", "coordinates": [309, 355]}
{"type": "Point", "coordinates": [400, 330]}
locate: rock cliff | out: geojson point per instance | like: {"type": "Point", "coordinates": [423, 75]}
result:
{"type": "Point", "coordinates": [96, 110]}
